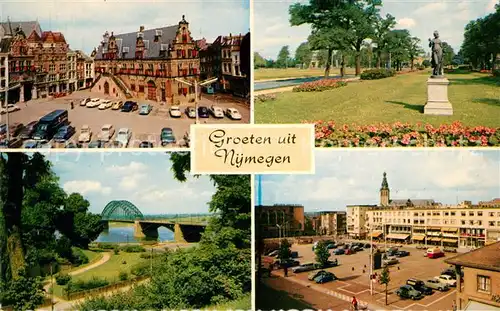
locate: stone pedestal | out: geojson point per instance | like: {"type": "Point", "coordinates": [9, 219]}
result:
{"type": "Point", "coordinates": [437, 97]}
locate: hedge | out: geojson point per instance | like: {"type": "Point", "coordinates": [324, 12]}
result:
{"type": "Point", "coordinates": [374, 74]}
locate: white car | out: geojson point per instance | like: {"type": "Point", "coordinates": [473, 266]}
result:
{"type": "Point", "coordinates": [175, 112]}
{"type": "Point", "coordinates": [10, 108]}
{"type": "Point", "coordinates": [233, 113]}
{"type": "Point", "coordinates": [94, 102]}
{"type": "Point", "coordinates": [105, 104]}
{"type": "Point", "coordinates": [85, 134]}
{"type": "Point", "coordinates": [217, 111]}
{"type": "Point", "coordinates": [84, 101]}
{"type": "Point", "coordinates": [107, 131]}
{"type": "Point", "coordinates": [123, 137]}
{"type": "Point", "coordinates": [446, 279]}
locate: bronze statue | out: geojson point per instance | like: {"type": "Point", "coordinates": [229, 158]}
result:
{"type": "Point", "coordinates": [437, 55]}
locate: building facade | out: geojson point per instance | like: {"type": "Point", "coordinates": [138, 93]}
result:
{"type": "Point", "coordinates": [72, 73]}
{"type": "Point", "coordinates": [481, 278]}
{"type": "Point", "coordinates": [427, 222]}
{"type": "Point", "coordinates": [211, 61]}
{"type": "Point", "coordinates": [233, 80]}
{"type": "Point", "coordinates": [146, 63]}
{"type": "Point", "coordinates": [333, 223]}
{"type": "Point", "coordinates": [280, 220]}
{"type": "Point", "coordinates": [84, 70]}
{"type": "Point", "coordinates": [4, 73]}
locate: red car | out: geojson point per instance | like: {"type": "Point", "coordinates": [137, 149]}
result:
{"type": "Point", "coordinates": [349, 251]}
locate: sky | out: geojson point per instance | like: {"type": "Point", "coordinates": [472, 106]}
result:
{"type": "Point", "coordinates": [83, 22]}
{"type": "Point", "coordinates": [143, 179]}
{"type": "Point", "coordinates": [272, 28]}
{"type": "Point", "coordinates": [346, 177]}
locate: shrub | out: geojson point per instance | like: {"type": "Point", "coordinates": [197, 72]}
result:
{"type": "Point", "coordinates": [146, 255]}
{"type": "Point", "coordinates": [496, 73]}
{"type": "Point", "coordinates": [79, 257]}
{"type": "Point", "coordinates": [374, 74]}
{"type": "Point", "coordinates": [265, 97]}
{"type": "Point", "coordinates": [116, 250]}
{"type": "Point", "coordinates": [107, 246]}
{"type": "Point", "coordinates": [80, 285]}
{"type": "Point", "coordinates": [123, 276]}
{"type": "Point", "coordinates": [133, 249]}
{"type": "Point", "coordinates": [328, 134]}
{"type": "Point", "coordinates": [320, 85]}
{"type": "Point", "coordinates": [63, 279]}
{"type": "Point", "coordinates": [420, 67]}
{"type": "Point", "coordinates": [140, 269]}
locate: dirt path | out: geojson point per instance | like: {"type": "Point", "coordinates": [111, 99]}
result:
{"type": "Point", "coordinates": [103, 260]}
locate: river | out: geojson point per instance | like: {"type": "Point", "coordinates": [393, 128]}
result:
{"type": "Point", "coordinates": [125, 234]}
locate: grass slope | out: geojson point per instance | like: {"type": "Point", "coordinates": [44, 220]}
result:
{"type": "Point", "coordinates": [475, 98]}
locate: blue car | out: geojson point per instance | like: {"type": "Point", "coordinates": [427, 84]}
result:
{"type": "Point", "coordinates": [64, 133]}
{"type": "Point", "coordinates": [339, 251]}
{"type": "Point", "coordinates": [129, 106]}
{"type": "Point", "coordinates": [325, 277]}
{"type": "Point", "coordinates": [145, 109]}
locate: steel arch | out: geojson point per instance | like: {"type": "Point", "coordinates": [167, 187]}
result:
{"type": "Point", "coordinates": [121, 209]}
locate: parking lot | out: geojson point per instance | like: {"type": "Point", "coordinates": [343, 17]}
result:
{"type": "Point", "coordinates": [353, 273]}
{"type": "Point", "coordinates": [143, 127]}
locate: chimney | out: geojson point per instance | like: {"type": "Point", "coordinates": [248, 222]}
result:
{"type": "Point", "coordinates": [141, 29]}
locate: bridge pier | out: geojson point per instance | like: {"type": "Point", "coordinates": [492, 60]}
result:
{"type": "Point", "coordinates": [145, 230]}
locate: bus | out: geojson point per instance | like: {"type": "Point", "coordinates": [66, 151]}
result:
{"type": "Point", "coordinates": [49, 124]}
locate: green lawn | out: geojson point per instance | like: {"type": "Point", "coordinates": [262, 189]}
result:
{"type": "Point", "coordinates": [475, 98]}
{"type": "Point", "coordinates": [281, 73]}
{"type": "Point", "coordinates": [244, 303]}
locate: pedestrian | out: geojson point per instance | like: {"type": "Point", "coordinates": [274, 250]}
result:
{"type": "Point", "coordinates": [286, 270]}
{"type": "Point", "coordinates": [72, 105]}
{"type": "Point", "coordinates": [354, 303]}
{"type": "Point", "coordinates": [454, 306]}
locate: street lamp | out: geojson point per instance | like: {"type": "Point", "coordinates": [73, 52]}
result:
{"type": "Point", "coordinates": [196, 84]}
{"type": "Point", "coordinates": [279, 231]}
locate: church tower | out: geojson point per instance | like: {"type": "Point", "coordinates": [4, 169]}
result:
{"type": "Point", "coordinates": [384, 192]}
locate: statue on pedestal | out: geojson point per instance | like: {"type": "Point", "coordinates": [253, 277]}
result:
{"type": "Point", "coordinates": [437, 55]}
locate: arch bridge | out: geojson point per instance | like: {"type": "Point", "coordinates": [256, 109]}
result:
{"type": "Point", "coordinates": [185, 229]}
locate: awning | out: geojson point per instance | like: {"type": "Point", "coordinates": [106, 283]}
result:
{"type": "Point", "coordinates": [454, 230]}
{"type": "Point", "coordinates": [418, 237]}
{"type": "Point", "coordinates": [435, 239]}
{"type": "Point", "coordinates": [418, 228]}
{"type": "Point", "coordinates": [376, 234]}
{"type": "Point", "coordinates": [478, 306]}
{"type": "Point", "coordinates": [398, 236]}
{"type": "Point", "coordinates": [433, 228]}
{"type": "Point", "coordinates": [450, 241]}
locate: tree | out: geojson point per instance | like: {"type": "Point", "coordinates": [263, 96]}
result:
{"type": "Point", "coordinates": [398, 42]}
{"type": "Point", "coordinates": [448, 54]}
{"type": "Point", "coordinates": [383, 27]}
{"type": "Point", "coordinates": [23, 293]}
{"type": "Point", "coordinates": [324, 42]}
{"type": "Point", "coordinates": [284, 252]}
{"type": "Point", "coordinates": [258, 60]}
{"type": "Point", "coordinates": [385, 278]}
{"type": "Point", "coordinates": [322, 254]}
{"type": "Point", "coordinates": [348, 21]}
{"type": "Point", "coordinates": [414, 49]}
{"type": "Point", "coordinates": [303, 54]}
{"type": "Point", "coordinates": [283, 57]}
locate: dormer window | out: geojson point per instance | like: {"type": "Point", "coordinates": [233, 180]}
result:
{"type": "Point", "coordinates": [163, 47]}
{"type": "Point", "coordinates": [126, 49]}
{"type": "Point", "coordinates": [140, 35]}
{"type": "Point", "coordinates": [146, 44]}
{"type": "Point", "coordinates": [159, 33]}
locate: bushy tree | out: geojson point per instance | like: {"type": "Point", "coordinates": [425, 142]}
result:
{"type": "Point", "coordinates": [322, 254]}
{"type": "Point", "coordinates": [258, 60]}
{"type": "Point", "coordinates": [23, 292]}
{"type": "Point", "coordinates": [303, 54]}
{"type": "Point", "coordinates": [385, 278]}
{"type": "Point", "coordinates": [284, 252]}
{"type": "Point", "coordinates": [283, 59]}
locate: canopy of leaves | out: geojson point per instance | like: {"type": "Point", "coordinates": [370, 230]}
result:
{"type": "Point", "coordinates": [283, 58]}
{"type": "Point", "coordinates": [322, 254]}
{"type": "Point", "coordinates": [258, 60]}
{"type": "Point", "coordinates": [303, 54]}
{"type": "Point", "coordinates": [284, 252]}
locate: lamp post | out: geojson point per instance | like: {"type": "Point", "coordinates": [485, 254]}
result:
{"type": "Point", "coordinates": [6, 105]}
{"type": "Point", "coordinates": [196, 84]}
{"type": "Point", "coordinates": [279, 231]}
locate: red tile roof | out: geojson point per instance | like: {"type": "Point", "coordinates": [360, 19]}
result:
{"type": "Point", "coordinates": [485, 258]}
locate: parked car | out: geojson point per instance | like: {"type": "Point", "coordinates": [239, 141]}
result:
{"type": "Point", "coordinates": [145, 109]}
{"type": "Point", "coordinates": [28, 130]}
{"type": "Point", "coordinates": [12, 143]}
{"type": "Point", "coordinates": [71, 144]}
{"type": "Point", "coordinates": [233, 114]}
{"type": "Point", "coordinates": [280, 264]}
{"type": "Point", "coordinates": [146, 144]}
{"type": "Point", "coordinates": [117, 105]}
{"type": "Point", "coordinates": [203, 112]}
{"type": "Point", "coordinates": [175, 112]}
{"type": "Point", "coordinates": [451, 272]}
{"type": "Point", "coordinates": [408, 292]}
{"type": "Point", "coordinates": [15, 128]}
{"type": "Point", "coordinates": [315, 274]}
{"type": "Point", "coordinates": [30, 144]}
{"type": "Point", "coordinates": [273, 253]}
{"type": "Point", "coordinates": [107, 132]}
{"type": "Point", "coordinates": [357, 248]}
{"type": "Point", "coordinates": [294, 254]}
{"type": "Point", "coordinates": [64, 133]}
{"type": "Point", "coordinates": [444, 278]}
{"type": "Point", "coordinates": [123, 137]}
{"type": "Point", "coordinates": [129, 106]}
{"type": "Point", "coordinates": [390, 261]}
{"type": "Point", "coordinates": [435, 252]}
{"type": "Point", "coordinates": [167, 136]}
{"type": "Point", "coordinates": [402, 253]}
{"type": "Point", "coordinates": [305, 267]}
{"type": "Point", "coordinates": [94, 102]}
{"type": "Point", "coordinates": [367, 245]}
{"type": "Point", "coordinates": [330, 263]}
{"type": "Point", "coordinates": [190, 112]}
{"type": "Point", "coordinates": [10, 108]}
{"type": "Point", "coordinates": [85, 134]}
{"type": "Point", "coordinates": [217, 112]}
{"type": "Point", "coordinates": [392, 251]}
{"type": "Point", "coordinates": [350, 251]}
{"type": "Point", "coordinates": [84, 101]}
{"type": "Point", "coordinates": [339, 251]}
{"type": "Point", "coordinates": [331, 246]}
{"type": "Point", "coordinates": [97, 144]}
{"type": "Point", "coordinates": [105, 104]}
{"type": "Point", "coordinates": [420, 286]}
{"type": "Point", "coordinates": [437, 284]}
{"type": "Point", "coordinates": [325, 277]}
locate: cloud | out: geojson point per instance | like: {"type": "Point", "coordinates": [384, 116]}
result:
{"type": "Point", "coordinates": [490, 8]}
{"type": "Point", "coordinates": [132, 181]}
{"type": "Point", "coordinates": [406, 22]}
{"type": "Point", "coordinates": [130, 168]}
{"type": "Point", "coordinates": [174, 196]}
{"type": "Point", "coordinates": [85, 187]}
{"type": "Point", "coordinates": [431, 8]}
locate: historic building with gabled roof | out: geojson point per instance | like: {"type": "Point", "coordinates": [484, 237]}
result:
{"type": "Point", "coordinates": [144, 64]}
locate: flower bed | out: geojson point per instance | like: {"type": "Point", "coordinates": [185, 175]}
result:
{"type": "Point", "coordinates": [328, 134]}
{"type": "Point", "coordinates": [320, 85]}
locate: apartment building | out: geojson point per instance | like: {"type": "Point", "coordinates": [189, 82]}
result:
{"type": "Point", "coordinates": [424, 221]}
{"type": "Point", "coordinates": [481, 281]}
{"type": "Point", "coordinates": [332, 223]}
{"type": "Point", "coordinates": [4, 71]}
{"type": "Point", "coordinates": [280, 220]}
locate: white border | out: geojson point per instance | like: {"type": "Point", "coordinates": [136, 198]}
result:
{"type": "Point", "coordinates": [312, 170]}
